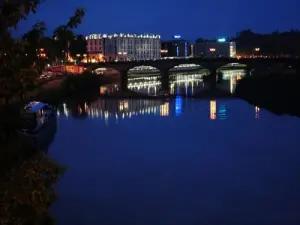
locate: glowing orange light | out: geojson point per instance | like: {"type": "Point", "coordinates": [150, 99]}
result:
{"type": "Point", "coordinates": [213, 110]}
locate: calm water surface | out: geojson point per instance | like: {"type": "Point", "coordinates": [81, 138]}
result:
{"type": "Point", "coordinates": [183, 162]}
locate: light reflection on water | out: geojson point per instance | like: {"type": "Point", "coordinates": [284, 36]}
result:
{"type": "Point", "coordinates": [111, 110]}
{"type": "Point", "coordinates": [145, 83]}
{"type": "Point", "coordinates": [186, 85]}
{"type": "Point", "coordinates": [126, 155]}
{"type": "Point", "coordinates": [230, 78]}
{"type": "Point", "coordinates": [180, 83]}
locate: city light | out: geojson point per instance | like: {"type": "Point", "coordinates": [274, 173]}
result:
{"type": "Point", "coordinates": [257, 49]}
{"type": "Point", "coordinates": [257, 110]}
{"type": "Point", "coordinates": [100, 36]}
{"type": "Point", "coordinates": [177, 36]}
{"type": "Point", "coordinates": [212, 49]}
{"type": "Point", "coordinates": [222, 40]}
{"type": "Point", "coordinates": [164, 109]}
{"type": "Point", "coordinates": [213, 110]}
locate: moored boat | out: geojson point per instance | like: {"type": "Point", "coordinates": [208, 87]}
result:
{"type": "Point", "coordinates": [34, 117]}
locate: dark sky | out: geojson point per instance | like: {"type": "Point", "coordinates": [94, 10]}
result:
{"type": "Point", "coordinates": [189, 18]}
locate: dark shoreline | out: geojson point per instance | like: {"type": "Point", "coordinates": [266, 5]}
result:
{"type": "Point", "coordinates": [278, 93]}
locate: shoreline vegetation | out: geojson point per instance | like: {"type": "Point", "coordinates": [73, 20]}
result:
{"type": "Point", "coordinates": [27, 173]}
{"type": "Point", "coordinates": [276, 92]}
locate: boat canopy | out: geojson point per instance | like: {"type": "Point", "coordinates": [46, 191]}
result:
{"type": "Point", "coordinates": [34, 107]}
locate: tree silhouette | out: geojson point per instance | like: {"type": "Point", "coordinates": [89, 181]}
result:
{"type": "Point", "coordinates": [64, 34]}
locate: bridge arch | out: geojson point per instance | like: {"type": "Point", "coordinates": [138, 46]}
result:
{"type": "Point", "coordinates": [234, 65]}
{"type": "Point", "coordinates": [144, 79]}
{"type": "Point", "coordinates": [233, 71]}
{"type": "Point", "coordinates": [140, 70]}
{"type": "Point", "coordinates": [107, 71]}
{"type": "Point", "coordinates": [186, 67]}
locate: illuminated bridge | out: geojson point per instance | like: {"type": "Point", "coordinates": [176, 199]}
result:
{"type": "Point", "coordinates": [164, 67]}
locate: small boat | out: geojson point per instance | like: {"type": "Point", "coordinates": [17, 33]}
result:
{"type": "Point", "coordinates": [34, 117]}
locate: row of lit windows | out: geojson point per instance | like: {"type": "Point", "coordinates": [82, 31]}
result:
{"type": "Point", "coordinates": [137, 41]}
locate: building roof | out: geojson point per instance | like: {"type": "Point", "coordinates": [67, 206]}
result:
{"type": "Point", "coordinates": [99, 36]}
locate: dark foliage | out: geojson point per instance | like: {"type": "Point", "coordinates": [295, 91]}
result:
{"type": "Point", "coordinates": [276, 43]}
{"type": "Point", "coordinates": [276, 92]}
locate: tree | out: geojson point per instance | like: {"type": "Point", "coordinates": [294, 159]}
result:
{"type": "Point", "coordinates": [64, 34]}
{"type": "Point", "coordinates": [26, 174]}
{"type": "Point", "coordinates": [275, 44]}
{"type": "Point", "coordinates": [12, 52]}
{"type": "Point", "coordinates": [78, 47]}
{"type": "Point", "coordinates": [22, 65]}
{"type": "Point", "coordinates": [33, 41]}
{"type": "Point", "coordinates": [19, 56]}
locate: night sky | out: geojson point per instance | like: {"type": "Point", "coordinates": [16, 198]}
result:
{"type": "Point", "coordinates": [190, 18]}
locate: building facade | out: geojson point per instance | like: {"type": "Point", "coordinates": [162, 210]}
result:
{"type": "Point", "coordinates": [213, 49]}
{"type": "Point", "coordinates": [125, 47]}
{"type": "Point", "coordinates": [175, 48]}
{"type": "Point", "coordinates": [95, 49]}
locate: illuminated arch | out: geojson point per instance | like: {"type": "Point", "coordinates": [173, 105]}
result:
{"type": "Point", "coordinates": [186, 67]}
{"type": "Point", "coordinates": [143, 70]}
{"type": "Point", "coordinates": [234, 65]}
{"type": "Point", "coordinates": [106, 71]}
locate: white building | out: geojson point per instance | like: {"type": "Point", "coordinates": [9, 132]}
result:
{"type": "Point", "coordinates": [123, 47]}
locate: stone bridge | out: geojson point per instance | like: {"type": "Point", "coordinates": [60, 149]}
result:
{"type": "Point", "coordinates": [263, 65]}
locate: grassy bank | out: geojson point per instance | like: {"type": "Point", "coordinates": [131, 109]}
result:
{"type": "Point", "coordinates": [276, 92]}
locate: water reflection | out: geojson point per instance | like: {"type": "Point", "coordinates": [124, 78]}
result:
{"type": "Point", "coordinates": [178, 105]}
{"type": "Point", "coordinates": [115, 110]}
{"type": "Point", "coordinates": [222, 110]}
{"type": "Point", "coordinates": [146, 84]}
{"type": "Point", "coordinates": [109, 89]}
{"type": "Point", "coordinates": [257, 110]}
{"type": "Point", "coordinates": [230, 79]}
{"type": "Point", "coordinates": [143, 168]}
{"type": "Point", "coordinates": [186, 84]}
{"type": "Point", "coordinates": [181, 83]}
{"type": "Point", "coordinates": [213, 110]}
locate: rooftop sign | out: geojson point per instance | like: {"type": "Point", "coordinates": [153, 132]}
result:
{"type": "Point", "coordinates": [221, 39]}
{"type": "Point", "coordinates": [177, 36]}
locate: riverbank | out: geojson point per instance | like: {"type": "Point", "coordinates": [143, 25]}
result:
{"type": "Point", "coordinates": [278, 93]}
{"type": "Point", "coordinates": [72, 86]}
{"type": "Point", "coordinates": [27, 177]}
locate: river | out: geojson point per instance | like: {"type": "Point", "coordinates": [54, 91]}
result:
{"type": "Point", "coordinates": [183, 161]}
